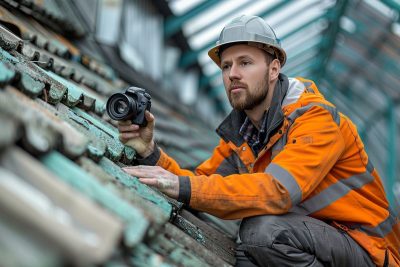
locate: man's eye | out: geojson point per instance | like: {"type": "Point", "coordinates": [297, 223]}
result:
{"type": "Point", "coordinates": [244, 63]}
{"type": "Point", "coordinates": [225, 67]}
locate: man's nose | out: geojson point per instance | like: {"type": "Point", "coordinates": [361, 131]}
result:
{"type": "Point", "coordinates": [234, 73]}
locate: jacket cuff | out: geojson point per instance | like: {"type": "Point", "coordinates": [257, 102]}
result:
{"type": "Point", "coordinates": [152, 159]}
{"type": "Point", "coordinates": [184, 190]}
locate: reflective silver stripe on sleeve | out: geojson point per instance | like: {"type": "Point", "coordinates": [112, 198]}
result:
{"type": "Point", "coordinates": [382, 229]}
{"type": "Point", "coordinates": [333, 193]}
{"type": "Point", "coordinates": [300, 111]}
{"type": "Point", "coordinates": [287, 180]}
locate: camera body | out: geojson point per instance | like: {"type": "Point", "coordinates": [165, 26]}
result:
{"type": "Point", "coordinates": [130, 105]}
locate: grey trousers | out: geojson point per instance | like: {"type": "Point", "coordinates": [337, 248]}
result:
{"type": "Point", "coordinates": [296, 240]}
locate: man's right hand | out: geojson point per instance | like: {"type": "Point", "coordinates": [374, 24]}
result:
{"type": "Point", "coordinates": [139, 138]}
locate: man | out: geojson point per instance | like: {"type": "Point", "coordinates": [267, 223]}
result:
{"type": "Point", "coordinates": [288, 164]}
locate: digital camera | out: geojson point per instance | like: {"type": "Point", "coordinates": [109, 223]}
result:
{"type": "Point", "coordinates": [130, 105]}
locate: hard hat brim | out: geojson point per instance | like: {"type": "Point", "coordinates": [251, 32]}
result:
{"type": "Point", "coordinates": [213, 53]}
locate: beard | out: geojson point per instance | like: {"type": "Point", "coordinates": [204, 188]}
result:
{"type": "Point", "coordinates": [249, 99]}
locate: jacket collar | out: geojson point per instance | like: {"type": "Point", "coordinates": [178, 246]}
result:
{"type": "Point", "coordinates": [229, 128]}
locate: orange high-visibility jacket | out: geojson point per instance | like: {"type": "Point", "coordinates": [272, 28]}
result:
{"type": "Point", "coordinates": [313, 163]}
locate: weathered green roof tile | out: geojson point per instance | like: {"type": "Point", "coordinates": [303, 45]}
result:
{"type": "Point", "coordinates": [45, 61]}
{"type": "Point", "coordinates": [136, 222]}
{"type": "Point", "coordinates": [77, 94]}
{"type": "Point", "coordinates": [128, 155]}
{"type": "Point", "coordinates": [143, 256]}
{"type": "Point", "coordinates": [153, 207]}
{"type": "Point", "coordinates": [51, 60]}
{"type": "Point", "coordinates": [73, 93]}
{"type": "Point", "coordinates": [29, 51]}
{"type": "Point", "coordinates": [9, 128]}
{"type": "Point", "coordinates": [180, 247]}
{"type": "Point", "coordinates": [96, 150]}
{"type": "Point", "coordinates": [40, 137]}
{"type": "Point", "coordinates": [76, 71]}
{"type": "Point", "coordinates": [7, 73]}
{"type": "Point", "coordinates": [206, 235]}
{"type": "Point", "coordinates": [110, 136]}
{"type": "Point", "coordinates": [110, 131]}
{"type": "Point", "coordinates": [96, 147]}
{"type": "Point", "coordinates": [30, 86]}
{"type": "Point", "coordinates": [57, 90]}
{"type": "Point", "coordinates": [90, 233]}
{"type": "Point", "coordinates": [191, 229]}
{"type": "Point", "coordinates": [132, 182]}
{"type": "Point", "coordinates": [39, 134]}
{"type": "Point", "coordinates": [56, 93]}
{"type": "Point", "coordinates": [38, 39]}
{"type": "Point", "coordinates": [65, 71]}
{"type": "Point", "coordinates": [88, 103]}
{"type": "Point", "coordinates": [36, 252]}
{"type": "Point", "coordinates": [58, 48]}
{"type": "Point", "coordinates": [7, 57]}
{"type": "Point", "coordinates": [8, 40]}
{"type": "Point", "coordinates": [37, 115]}
{"type": "Point", "coordinates": [176, 252]}
{"type": "Point", "coordinates": [179, 256]}
{"type": "Point", "coordinates": [103, 139]}
{"type": "Point", "coordinates": [98, 67]}
{"type": "Point", "coordinates": [95, 81]}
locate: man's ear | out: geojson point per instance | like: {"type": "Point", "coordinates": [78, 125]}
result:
{"type": "Point", "coordinates": [274, 69]}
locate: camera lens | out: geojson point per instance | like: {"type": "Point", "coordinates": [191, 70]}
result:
{"type": "Point", "coordinates": [121, 107]}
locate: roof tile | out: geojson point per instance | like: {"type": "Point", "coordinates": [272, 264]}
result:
{"type": "Point", "coordinates": [136, 224]}
{"type": "Point", "coordinates": [8, 40]}
{"type": "Point", "coordinates": [132, 183]}
{"type": "Point", "coordinates": [7, 73]}
{"type": "Point", "coordinates": [30, 86]}
{"type": "Point", "coordinates": [85, 232]}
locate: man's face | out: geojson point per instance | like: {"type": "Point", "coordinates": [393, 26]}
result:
{"type": "Point", "coordinates": [245, 74]}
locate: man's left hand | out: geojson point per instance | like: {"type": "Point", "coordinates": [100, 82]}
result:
{"type": "Point", "coordinates": [157, 177]}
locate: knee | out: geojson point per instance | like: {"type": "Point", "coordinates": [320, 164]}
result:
{"type": "Point", "coordinates": [261, 230]}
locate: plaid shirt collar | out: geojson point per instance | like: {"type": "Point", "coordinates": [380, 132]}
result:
{"type": "Point", "coordinates": [252, 135]}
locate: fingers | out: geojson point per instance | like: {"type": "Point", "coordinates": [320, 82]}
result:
{"type": "Point", "coordinates": [124, 123]}
{"type": "Point", "coordinates": [143, 171]}
{"type": "Point", "coordinates": [157, 177]}
{"type": "Point", "coordinates": [138, 167]}
{"type": "Point", "coordinates": [146, 174]}
{"type": "Point", "coordinates": [149, 181]}
{"type": "Point", "coordinates": [127, 131]}
{"type": "Point", "coordinates": [125, 137]}
{"type": "Point", "coordinates": [161, 183]}
{"type": "Point", "coordinates": [127, 127]}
